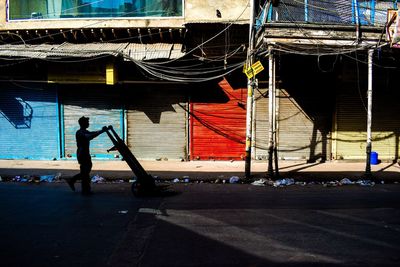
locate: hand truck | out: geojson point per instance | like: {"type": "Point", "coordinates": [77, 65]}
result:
{"type": "Point", "coordinates": [144, 183]}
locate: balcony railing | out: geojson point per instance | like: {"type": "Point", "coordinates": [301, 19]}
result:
{"type": "Point", "coordinates": [344, 12]}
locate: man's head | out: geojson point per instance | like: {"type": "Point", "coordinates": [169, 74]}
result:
{"type": "Point", "coordinates": [84, 122]}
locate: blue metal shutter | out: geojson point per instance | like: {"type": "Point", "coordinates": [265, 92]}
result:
{"type": "Point", "coordinates": [103, 108]}
{"type": "Point", "coordinates": [29, 124]}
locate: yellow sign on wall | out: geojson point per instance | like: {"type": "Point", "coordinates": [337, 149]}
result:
{"type": "Point", "coordinates": [255, 69]}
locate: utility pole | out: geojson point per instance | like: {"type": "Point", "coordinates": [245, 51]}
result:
{"type": "Point", "coordinates": [369, 115]}
{"type": "Point", "coordinates": [271, 111]}
{"type": "Point", "coordinates": [275, 121]}
{"type": "Point", "coordinates": [250, 93]}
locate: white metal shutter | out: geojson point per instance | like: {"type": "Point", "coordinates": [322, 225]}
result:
{"type": "Point", "coordinates": [157, 124]}
{"type": "Point", "coordinates": [102, 106]}
{"type": "Point", "coordinates": [262, 124]}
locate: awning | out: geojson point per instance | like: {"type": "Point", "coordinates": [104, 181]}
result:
{"type": "Point", "coordinates": [130, 51]}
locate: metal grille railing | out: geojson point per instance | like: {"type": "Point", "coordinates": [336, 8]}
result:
{"type": "Point", "coordinates": [364, 12]}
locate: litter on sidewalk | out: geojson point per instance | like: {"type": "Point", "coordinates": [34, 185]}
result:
{"type": "Point", "coordinates": [283, 182]}
{"type": "Point", "coordinates": [98, 179]}
{"type": "Point", "coordinates": [50, 178]}
{"type": "Point", "coordinates": [234, 180]}
{"type": "Point", "coordinates": [365, 183]}
{"type": "Point", "coordinates": [260, 182]}
{"type": "Point", "coordinates": [334, 183]}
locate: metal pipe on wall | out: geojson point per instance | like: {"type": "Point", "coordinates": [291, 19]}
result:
{"type": "Point", "coordinates": [369, 115]}
{"type": "Point", "coordinates": [271, 111]}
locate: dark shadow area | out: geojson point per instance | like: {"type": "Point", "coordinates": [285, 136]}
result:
{"type": "Point", "coordinates": [16, 110]}
{"type": "Point", "coordinates": [16, 99]}
{"type": "Point", "coordinates": [205, 225]}
{"type": "Point", "coordinates": [288, 231]}
{"type": "Point", "coordinates": [96, 96]}
{"type": "Point", "coordinates": [153, 101]}
{"type": "Point", "coordinates": [209, 92]}
{"type": "Point", "coordinates": [294, 165]}
{"type": "Point", "coordinates": [311, 88]}
{"type": "Point", "coordinates": [14, 72]}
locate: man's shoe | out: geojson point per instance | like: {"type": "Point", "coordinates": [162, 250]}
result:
{"type": "Point", "coordinates": [71, 184]}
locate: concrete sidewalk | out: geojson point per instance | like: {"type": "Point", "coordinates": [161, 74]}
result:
{"type": "Point", "coordinates": [203, 170]}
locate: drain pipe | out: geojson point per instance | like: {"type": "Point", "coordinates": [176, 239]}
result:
{"type": "Point", "coordinates": [271, 111]}
{"type": "Point", "coordinates": [369, 116]}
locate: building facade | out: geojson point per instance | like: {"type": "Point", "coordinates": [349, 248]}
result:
{"type": "Point", "coordinates": [122, 63]}
{"type": "Point", "coordinates": [168, 75]}
{"type": "Point", "coordinates": [322, 77]}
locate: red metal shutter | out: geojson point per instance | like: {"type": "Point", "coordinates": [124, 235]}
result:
{"type": "Point", "coordinates": [218, 130]}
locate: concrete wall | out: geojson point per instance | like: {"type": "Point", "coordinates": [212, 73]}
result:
{"type": "Point", "coordinates": [194, 11]}
{"type": "Point", "coordinates": [205, 10]}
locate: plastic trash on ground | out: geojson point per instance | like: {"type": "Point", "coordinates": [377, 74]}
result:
{"type": "Point", "coordinates": [301, 183]}
{"type": "Point", "coordinates": [260, 182]}
{"type": "Point", "coordinates": [176, 180]}
{"type": "Point", "coordinates": [122, 211]}
{"type": "Point", "coordinates": [18, 178]}
{"type": "Point", "coordinates": [234, 180]}
{"type": "Point", "coordinates": [365, 183]}
{"type": "Point", "coordinates": [98, 179]}
{"type": "Point", "coordinates": [284, 182]}
{"type": "Point", "coordinates": [331, 184]}
{"type": "Point", "coordinates": [47, 178]}
{"type": "Point", "coordinates": [346, 181]}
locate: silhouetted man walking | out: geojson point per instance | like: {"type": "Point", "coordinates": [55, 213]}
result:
{"type": "Point", "coordinates": [83, 137]}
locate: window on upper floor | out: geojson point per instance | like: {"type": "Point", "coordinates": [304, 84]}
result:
{"type": "Point", "coordinates": [60, 9]}
{"type": "Point", "coordinates": [365, 12]}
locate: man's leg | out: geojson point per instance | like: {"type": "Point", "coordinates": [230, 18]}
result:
{"type": "Point", "coordinates": [71, 181]}
{"type": "Point", "coordinates": [85, 176]}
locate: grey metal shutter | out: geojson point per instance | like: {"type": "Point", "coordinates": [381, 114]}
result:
{"type": "Point", "coordinates": [29, 125]}
{"type": "Point", "coordinates": [102, 106]}
{"type": "Point", "coordinates": [157, 124]}
{"type": "Point", "coordinates": [299, 134]}
{"type": "Point", "coordinates": [262, 124]}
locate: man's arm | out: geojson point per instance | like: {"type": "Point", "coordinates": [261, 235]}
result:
{"type": "Point", "coordinates": [92, 135]}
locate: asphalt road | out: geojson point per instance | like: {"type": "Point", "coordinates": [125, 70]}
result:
{"type": "Point", "coordinates": [200, 224]}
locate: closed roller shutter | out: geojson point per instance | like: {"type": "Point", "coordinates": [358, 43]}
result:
{"type": "Point", "coordinates": [218, 130]}
{"type": "Point", "coordinates": [351, 124]}
{"type": "Point", "coordinates": [157, 123]}
{"type": "Point", "coordinates": [300, 132]}
{"type": "Point", "coordinates": [29, 126]}
{"type": "Point", "coordinates": [262, 124]}
{"type": "Point", "coordinates": [102, 106]}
